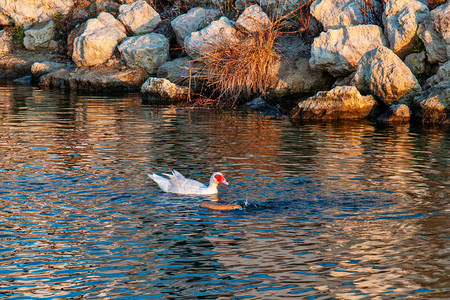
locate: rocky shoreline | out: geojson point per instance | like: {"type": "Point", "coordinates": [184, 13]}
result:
{"type": "Point", "coordinates": [341, 66]}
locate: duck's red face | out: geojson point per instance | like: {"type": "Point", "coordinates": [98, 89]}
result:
{"type": "Point", "coordinates": [220, 179]}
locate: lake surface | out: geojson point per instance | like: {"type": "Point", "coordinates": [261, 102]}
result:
{"type": "Point", "coordinates": [352, 210]}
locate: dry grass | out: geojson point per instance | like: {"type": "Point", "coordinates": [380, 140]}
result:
{"type": "Point", "coordinates": [432, 4]}
{"type": "Point", "coordinates": [238, 70]}
{"type": "Point", "coordinates": [372, 12]}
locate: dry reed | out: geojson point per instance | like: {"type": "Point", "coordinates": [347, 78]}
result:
{"type": "Point", "coordinates": [237, 70]}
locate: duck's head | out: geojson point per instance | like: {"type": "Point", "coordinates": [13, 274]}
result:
{"type": "Point", "coordinates": [218, 178]}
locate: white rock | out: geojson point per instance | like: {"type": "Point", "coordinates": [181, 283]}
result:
{"type": "Point", "coordinates": [435, 34]}
{"type": "Point", "coordinates": [5, 43]}
{"type": "Point", "coordinates": [280, 7]}
{"type": "Point", "coordinates": [383, 74]}
{"type": "Point", "coordinates": [432, 106]}
{"type": "Point", "coordinates": [253, 19]}
{"type": "Point", "coordinates": [147, 51]}
{"type": "Point", "coordinates": [26, 12]}
{"type": "Point", "coordinates": [339, 50]}
{"type": "Point", "coordinates": [138, 17]}
{"type": "Point", "coordinates": [164, 89]}
{"type": "Point", "coordinates": [337, 13]}
{"type": "Point", "coordinates": [98, 41]}
{"type": "Point", "coordinates": [416, 62]}
{"type": "Point", "coordinates": [195, 19]}
{"type": "Point", "coordinates": [401, 19]}
{"type": "Point", "coordinates": [196, 44]}
{"type": "Point", "coordinates": [39, 36]}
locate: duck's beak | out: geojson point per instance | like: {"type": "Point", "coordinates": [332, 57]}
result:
{"type": "Point", "coordinates": [224, 181]}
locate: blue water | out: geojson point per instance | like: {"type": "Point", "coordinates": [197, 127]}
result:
{"type": "Point", "coordinates": [350, 210]}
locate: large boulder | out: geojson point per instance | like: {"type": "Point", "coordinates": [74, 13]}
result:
{"type": "Point", "coordinates": [39, 36]}
{"type": "Point", "coordinates": [5, 43]}
{"type": "Point", "coordinates": [138, 17]}
{"type": "Point", "coordinates": [434, 31]}
{"type": "Point", "coordinates": [195, 19]}
{"type": "Point", "coordinates": [342, 102]}
{"type": "Point", "coordinates": [432, 106]}
{"type": "Point", "coordinates": [296, 77]}
{"type": "Point", "coordinates": [383, 74]}
{"type": "Point", "coordinates": [253, 19]}
{"type": "Point", "coordinates": [337, 13]}
{"type": "Point", "coordinates": [339, 50]}
{"type": "Point", "coordinates": [98, 41]}
{"type": "Point", "coordinates": [163, 89]}
{"type": "Point", "coordinates": [147, 51]}
{"type": "Point", "coordinates": [26, 12]}
{"type": "Point", "coordinates": [401, 19]}
{"type": "Point", "coordinates": [197, 43]}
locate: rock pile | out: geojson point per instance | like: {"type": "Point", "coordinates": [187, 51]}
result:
{"type": "Point", "coordinates": [379, 64]}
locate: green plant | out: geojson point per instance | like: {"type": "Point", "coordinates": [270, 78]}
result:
{"type": "Point", "coordinates": [19, 34]}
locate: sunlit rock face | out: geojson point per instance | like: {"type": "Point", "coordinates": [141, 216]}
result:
{"type": "Point", "coordinates": [5, 43]}
{"type": "Point", "coordinates": [396, 113]}
{"type": "Point", "coordinates": [163, 88]}
{"type": "Point", "coordinates": [334, 14]}
{"type": "Point", "coordinates": [39, 36]}
{"type": "Point", "coordinates": [434, 31]}
{"type": "Point", "coordinates": [147, 51]}
{"type": "Point", "coordinates": [138, 17]}
{"type": "Point", "coordinates": [253, 19]}
{"type": "Point", "coordinates": [98, 41]}
{"type": "Point", "coordinates": [342, 102]}
{"type": "Point", "coordinates": [383, 74]}
{"type": "Point", "coordinates": [196, 44]}
{"type": "Point", "coordinates": [433, 104]}
{"type": "Point", "coordinates": [401, 19]}
{"type": "Point", "coordinates": [26, 12]}
{"type": "Point", "coordinates": [339, 50]}
{"type": "Point", "coordinates": [195, 19]}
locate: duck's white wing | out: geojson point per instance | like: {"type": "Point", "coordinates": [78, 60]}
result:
{"type": "Point", "coordinates": [163, 183]}
{"type": "Point", "coordinates": [181, 184]}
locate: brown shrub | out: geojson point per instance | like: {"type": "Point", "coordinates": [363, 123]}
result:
{"type": "Point", "coordinates": [238, 70]}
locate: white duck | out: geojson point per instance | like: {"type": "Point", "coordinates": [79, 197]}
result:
{"type": "Point", "coordinates": [177, 183]}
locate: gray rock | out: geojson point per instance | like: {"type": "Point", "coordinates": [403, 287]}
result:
{"type": "Point", "coordinates": [401, 19]}
{"type": "Point", "coordinates": [98, 41]}
{"type": "Point", "coordinates": [434, 31]}
{"type": "Point", "coordinates": [138, 17]}
{"type": "Point", "coordinates": [5, 43]}
{"type": "Point", "coordinates": [39, 36]}
{"type": "Point", "coordinates": [432, 106]}
{"type": "Point", "coordinates": [148, 51]}
{"type": "Point", "coordinates": [40, 68]}
{"type": "Point", "coordinates": [396, 113]}
{"type": "Point", "coordinates": [253, 19]}
{"type": "Point", "coordinates": [442, 74]}
{"type": "Point", "coordinates": [334, 14]}
{"type": "Point", "coordinates": [416, 62]}
{"type": "Point", "coordinates": [339, 50]}
{"type": "Point", "coordinates": [163, 89]}
{"type": "Point", "coordinates": [195, 19]}
{"type": "Point", "coordinates": [383, 74]}
{"type": "Point", "coordinates": [342, 102]}
{"type": "Point", "coordinates": [197, 43]}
